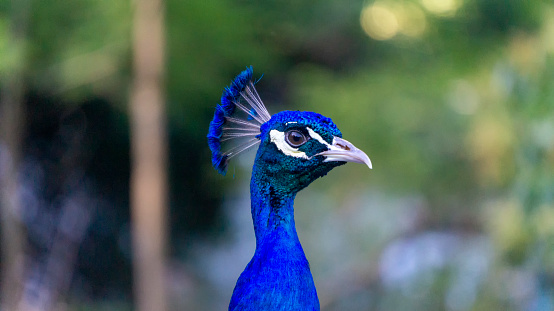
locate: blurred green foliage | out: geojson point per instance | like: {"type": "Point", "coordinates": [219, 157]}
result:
{"type": "Point", "coordinates": [459, 111]}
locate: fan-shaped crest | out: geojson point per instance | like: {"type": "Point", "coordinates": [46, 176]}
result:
{"type": "Point", "coordinates": [238, 127]}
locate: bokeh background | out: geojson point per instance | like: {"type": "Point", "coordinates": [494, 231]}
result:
{"type": "Point", "coordinates": [453, 101]}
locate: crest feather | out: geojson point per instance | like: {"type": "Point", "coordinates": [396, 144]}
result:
{"type": "Point", "coordinates": [230, 124]}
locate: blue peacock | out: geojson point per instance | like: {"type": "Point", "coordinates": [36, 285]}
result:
{"type": "Point", "coordinates": [295, 148]}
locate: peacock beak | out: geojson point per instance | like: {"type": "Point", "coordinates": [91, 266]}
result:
{"type": "Point", "coordinates": [343, 150]}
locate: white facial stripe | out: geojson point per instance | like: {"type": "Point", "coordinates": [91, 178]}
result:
{"type": "Point", "coordinates": [316, 136]}
{"type": "Point", "coordinates": [320, 139]}
{"type": "Point", "coordinates": [278, 138]}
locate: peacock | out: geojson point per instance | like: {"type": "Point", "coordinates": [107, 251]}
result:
{"type": "Point", "coordinates": [295, 148]}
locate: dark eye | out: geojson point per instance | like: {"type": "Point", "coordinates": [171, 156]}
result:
{"type": "Point", "coordinates": [295, 138]}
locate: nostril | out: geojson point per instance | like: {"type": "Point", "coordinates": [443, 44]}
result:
{"type": "Point", "coordinates": [344, 147]}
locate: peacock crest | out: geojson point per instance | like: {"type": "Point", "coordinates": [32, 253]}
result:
{"type": "Point", "coordinates": [237, 120]}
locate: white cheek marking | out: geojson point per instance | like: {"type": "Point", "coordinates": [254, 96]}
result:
{"type": "Point", "coordinates": [278, 138]}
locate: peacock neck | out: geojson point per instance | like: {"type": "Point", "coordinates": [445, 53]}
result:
{"type": "Point", "coordinates": [272, 208]}
{"type": "Point", "coordinates": [278, 276]}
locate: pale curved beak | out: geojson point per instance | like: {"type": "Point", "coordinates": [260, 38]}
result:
{"type": "Point", "coordinates": [343, 150]}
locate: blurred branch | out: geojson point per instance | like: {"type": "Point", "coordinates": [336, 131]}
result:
{"type": "Point", "coordinates": [11, 100]}
{"type": "Point", "coordinates": [85, 69]}
{"type": "Point", "coordinates": [148, 151]}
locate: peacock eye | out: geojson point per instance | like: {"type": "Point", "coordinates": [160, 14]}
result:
{"type": "Point", "coordinates": [295, 138]}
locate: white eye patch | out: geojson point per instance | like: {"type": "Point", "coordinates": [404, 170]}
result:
{"type": "Point", "coordinates": [278, 138]}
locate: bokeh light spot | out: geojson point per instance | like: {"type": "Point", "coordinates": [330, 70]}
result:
{"type": "Point", "coordinates": [379, 22]}
{"type": "Point", "coordinates": [411, 20]}
{"type": "Point", "coordinates": [442, 7]}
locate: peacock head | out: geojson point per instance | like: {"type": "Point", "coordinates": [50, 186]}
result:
{"type": "Point", "coordinates": [296, 147]}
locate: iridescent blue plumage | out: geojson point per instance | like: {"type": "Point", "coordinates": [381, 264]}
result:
{"type": "Point", "coordinates": [295, 149]}
{"type": "Point", "coordinates": [226, 108]}
{"type": "Point", "coordinates": [219, 161]}
{"type": "Point", "coordinates": [234, 96]}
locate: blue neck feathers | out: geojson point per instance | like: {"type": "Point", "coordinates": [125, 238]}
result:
{"type": "Point", "coordinates": [278, 277]}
